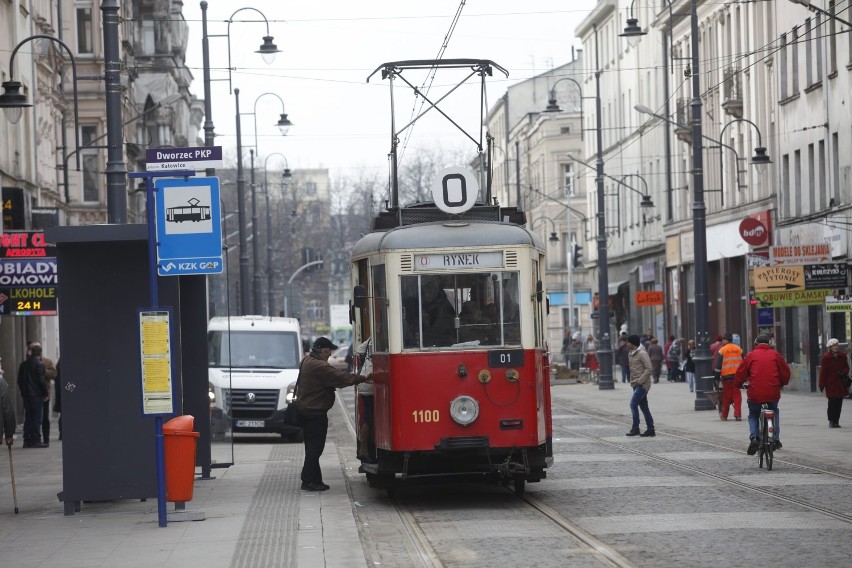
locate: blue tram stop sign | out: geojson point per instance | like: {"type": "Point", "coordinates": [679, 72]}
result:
{"type": "Point", "coordinates": [189, 228]}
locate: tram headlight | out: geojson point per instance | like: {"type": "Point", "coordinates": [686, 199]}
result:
{"type": "Point", "coordinates": [464, 410]}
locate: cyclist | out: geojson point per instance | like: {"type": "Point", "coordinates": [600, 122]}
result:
{"type": "Point", "coordinates": [766, 372]}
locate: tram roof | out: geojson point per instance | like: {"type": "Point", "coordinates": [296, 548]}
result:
{"type": "Point", "coordinates": [447, 234]}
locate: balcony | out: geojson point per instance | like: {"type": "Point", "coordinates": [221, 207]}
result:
{"type": "Point", "coordinates": [684, 134]}
{"type": "Point", "coordinates": [733, 97]}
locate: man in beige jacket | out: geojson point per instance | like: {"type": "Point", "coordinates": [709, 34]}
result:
{"type": "Point", "coordinates": [640, 380]}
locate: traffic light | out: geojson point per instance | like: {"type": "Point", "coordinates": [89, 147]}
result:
{"type": "Point", "coordinates": [577, 255]}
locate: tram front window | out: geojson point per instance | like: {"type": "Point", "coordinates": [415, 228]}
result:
{"type": "Point", "coordinates": [460, 310]}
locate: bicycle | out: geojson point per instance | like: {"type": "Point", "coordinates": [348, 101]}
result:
{"type": "Point", "coordinates": [766, 436]}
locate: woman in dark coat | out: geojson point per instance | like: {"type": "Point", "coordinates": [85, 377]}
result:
{"type": "Point", "coordinates": [655, 353]}
{"type": "Point", "coordinates": [832, 365]}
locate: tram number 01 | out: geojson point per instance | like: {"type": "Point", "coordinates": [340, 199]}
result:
{"type": "Point", "coordinates": [506, 358]}
{"type": "Point", "coordinates": [422, 416]}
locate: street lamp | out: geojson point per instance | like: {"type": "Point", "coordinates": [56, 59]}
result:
{"type": "Point", "coordinates": [553, 107]}
{"type": "Point", "coordinates": [702, 357]}
{"type": "Point", "coordinates": [759, 159]}
{"type": "Point", "coordinates": [12, 101]}
{"type": "Point", "coordinates": [553, 237]}
{"type": "Point", "coordinates": [633, 32]}
{"type": "Point", "coordinates": [807, 4]}
{"type": "Point", "coordinates": [283, 126]}
{"type": "Point", "coordinates": [267, 50]}
{"type": "Point", "coordinates": [270, 279]}
{"type": "Point", "coordinates": [604, 342]}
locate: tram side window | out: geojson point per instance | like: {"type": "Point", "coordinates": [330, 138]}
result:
{"type": "Point", "coordinates": [460, 310]}
{"type": "Point", "coordinates": [380, 310]}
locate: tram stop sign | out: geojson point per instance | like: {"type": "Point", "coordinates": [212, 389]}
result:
{"type": "Point", "coordinates": [189, 228]}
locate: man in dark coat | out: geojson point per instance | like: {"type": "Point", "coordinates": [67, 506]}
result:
{"type": "Point", "coordinates": [315, 394]}
{"type": "Point", "coordinates": [32, 384]}
{"type": "Point", "coordinates": [7, 413]}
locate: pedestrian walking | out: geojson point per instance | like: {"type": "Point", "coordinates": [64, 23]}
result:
{"type": "Point", "coordinates": [640, 380]}
{"type": "Point", "coordinates": [50, 375]}
{"type": "Point", "coordinates": [728, 360]}
{"type": "Point", "coordinates": [575, 353]}
{"type": "Point", "coordinates": [673, 359]}
{"type": "Point", "coordinates": [592, 363]}
{"type": "Point", "coordinates": [317, 383]}
{"type": "Point", "coordinates": [833, 367]}
{"type": "Point", "coordinates": [766, 372]}
{"type": "Point", "coordinates": [566, 348]}
{"type": "Point", "coordinates": [655, 354]}
{"type": "Point", "coordinates": [32, 384]}
{"type": "Point", "coordinates": [689, 365]}
{"type": "Point", "coordinates": [621, 357]}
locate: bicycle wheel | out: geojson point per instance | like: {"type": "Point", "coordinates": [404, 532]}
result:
{"type": "Point", "coordinates": [770, 448]}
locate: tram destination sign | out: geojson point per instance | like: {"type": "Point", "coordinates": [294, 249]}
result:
{"type": "Point", "coordinates": [457, 260]}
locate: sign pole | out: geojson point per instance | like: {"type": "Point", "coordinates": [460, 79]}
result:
{"type": "Point", "coordinates": [159, 447]}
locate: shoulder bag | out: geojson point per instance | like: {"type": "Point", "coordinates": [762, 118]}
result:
{"type": "Point", "coordinates": [291, 413]}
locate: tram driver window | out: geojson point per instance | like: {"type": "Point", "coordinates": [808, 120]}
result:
{"type": "Point", "coordinates": [460, 310]}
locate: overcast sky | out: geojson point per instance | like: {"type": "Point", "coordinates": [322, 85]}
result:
{"type": "Point", "coordinates": [329, 47]}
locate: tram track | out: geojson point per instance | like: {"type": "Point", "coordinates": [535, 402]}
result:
{"type": "Point", "coordinates": [704, 473]}
{"type": "Point", "coordinates": [423, 554]}
{"type": "Point", "coordinates": [810, 468]}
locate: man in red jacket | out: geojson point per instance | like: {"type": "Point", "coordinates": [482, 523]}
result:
{"type": "Point", "coordinates": [766, 372]}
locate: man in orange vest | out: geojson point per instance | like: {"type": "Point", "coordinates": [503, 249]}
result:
{"type": "Point", "coordinates": [728, 360]}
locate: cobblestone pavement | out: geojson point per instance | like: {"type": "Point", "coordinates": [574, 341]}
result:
{"type": "Point", "coordinates": [688, 498]}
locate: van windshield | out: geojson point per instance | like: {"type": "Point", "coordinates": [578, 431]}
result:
{"type": "Point", "coordinates": [256, 349]}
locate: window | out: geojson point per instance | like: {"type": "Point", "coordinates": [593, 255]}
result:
{"type": "Point", "coordinates": [311, 188]}
{"type": "Point", "coordinates": [795, 60]}
{"type": "Point", "coordinates": [380, 310]}
{"type": "Point", "coordinates": [84, 30]}
{"type": "Point", "coordinates": [783, 78]}
{"type": "Point", "coordinates": [832, 40]}
{"type": "Point", "coordinates": [460, 310]}
{"type": "Point", "coordinates": [568, 176]}
{"type": "Point", "coordinates": [809, 71]}
{"type": "Point", "coordinates": [314, 310]}
{"type": "Point", "coordinates": [91, 160]}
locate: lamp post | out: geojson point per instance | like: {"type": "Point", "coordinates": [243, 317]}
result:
{"type": "Point", "coordinates": [290, 281]}
{"type": "Point", "coordinates": [12, 101]}
{"type": "Point", "coordinates": [270, 279]}
{"type": "Point", "coordinates": [245, 296]}
{"type": "Point", "coordinates": [267, 50]}
{"type": "Point", "coordinates": [284, 125]}
{"type": "Point", "coordinates": [604, 341]}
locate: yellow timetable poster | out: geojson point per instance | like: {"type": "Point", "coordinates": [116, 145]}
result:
{"type": "Point", "coordinates": [155, 341]}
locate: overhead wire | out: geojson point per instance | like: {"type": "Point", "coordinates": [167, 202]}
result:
{"type": "Point", "coordinates": [430, 78]}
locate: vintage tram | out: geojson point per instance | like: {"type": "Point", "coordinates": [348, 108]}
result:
{"type": "Point", "coordinates": [450, 296]}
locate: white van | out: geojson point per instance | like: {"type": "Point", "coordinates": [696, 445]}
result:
{"type": "Point", "coordinates": [253, 363]}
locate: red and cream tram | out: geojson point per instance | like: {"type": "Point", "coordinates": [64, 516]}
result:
{"type": "Point", "coordinates": [450, 296]}
{"type": "Point", "coordinates": [455, 313]}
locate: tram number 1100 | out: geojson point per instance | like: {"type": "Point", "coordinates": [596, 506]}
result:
{"type": "Point", "coordinates": [421, 416]}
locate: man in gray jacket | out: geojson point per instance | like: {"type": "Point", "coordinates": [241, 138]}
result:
{"type": "Point", "coordinates": [640, 380]}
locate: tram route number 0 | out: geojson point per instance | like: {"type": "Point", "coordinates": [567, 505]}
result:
{"type": "Point", "coordinates": [421, 416]}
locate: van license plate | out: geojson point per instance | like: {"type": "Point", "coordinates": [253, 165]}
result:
{"type": "Point", "coordinates": [250, 423]}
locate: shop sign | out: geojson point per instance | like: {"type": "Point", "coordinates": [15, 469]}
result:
{"type": "Point", "coordinates": [793, 298]}
{"type": "Point", "coordinates": [838, 303]}
{"type": "Point", "coordinates": [779, 278]}
{"type": "Point", "coordinates": [753, 231]}
{"type": "Point", "coordinates": [830, 275]}
{"type": "Point", "coordinates": [654, 298]}
{"type": "Point", "coordinates": [800, 254]}
{"type": "Point", "coordinates": [765, 316]}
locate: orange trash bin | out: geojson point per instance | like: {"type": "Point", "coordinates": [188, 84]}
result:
{"type": "Point", "coordinates": [179, 442]}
